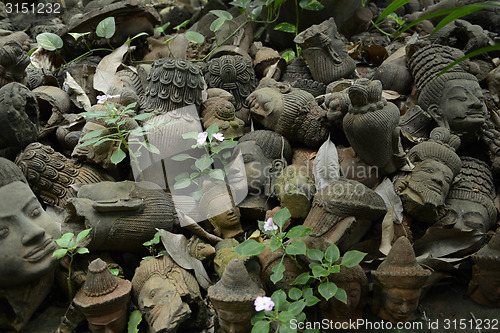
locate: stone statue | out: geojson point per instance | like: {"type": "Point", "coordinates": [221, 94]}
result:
{"type": "Point", "coordinates": [26, 244]}
{"type": "Point", "coordinates": [371, 126]}
{"type": "Point", "coordinates": [424, 189]}
{"type": "Point", "coordinates": [471, 198]}
{"type": "Point", "coordinates": [353, 280]}
{"type": "Point", "coordinates": [233, 298]}
{"type": "Point", "coordinates": [104, 299]}
{"type": "Point", "coordinates": [218, 206]}
{"type": "Point", "coordinates": [325, 52]}
{"type": "Point", "coordinates": [220, 111]}
{"type": "Point", "coordinates": [13, 62]}
{"type": "Point", "coordinates": [168, 296]}
{"type": "Point", "coordinates": [173, 84]}
{"type": "Point", "coordinates": [398, 283]}
{"type": "Point", "coordinates": [291, 112]}
{"type": "Point", "coordinates": [294, 189]}
{"type": "Point", "coordinates": [233, 73]}
{"type": "Point", "coordinates": [343, 212]}
{"type": "Point", "coordinates": [51, 175]}
{"type": "Point", "coordinates": [483, 288]}
{"type": "Point", "coordinates": [122, 215]}
{"type": "Point", "coordinates": [454, 99]}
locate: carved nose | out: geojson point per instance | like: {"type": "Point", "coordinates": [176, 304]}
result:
{"type": "Point", "coordinates": [32, 234]}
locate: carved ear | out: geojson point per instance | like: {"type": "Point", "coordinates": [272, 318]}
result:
{"type": "Point", "coordinates": [437, 116]}
{"type": "Point", "coordinates": [475, 272]}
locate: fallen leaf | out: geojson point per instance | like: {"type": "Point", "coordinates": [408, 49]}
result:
{"type": "Point", "coordinates": [105, 75]}
{"type": "Point", "coordinates": [390, 95]}
{"type": "Point", "coordinates": [326, 166]}
{"type": "Point", "coordinates": [76, 93]}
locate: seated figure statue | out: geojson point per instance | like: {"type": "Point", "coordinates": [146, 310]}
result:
{"type": "Point", "coordinates": [398, 283]}
{"type": "Point", "coordinates": [26, 247]}
{"type": "Point", "coordinates": [484, 286]}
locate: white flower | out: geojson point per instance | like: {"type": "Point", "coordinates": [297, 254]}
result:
{"type": "Point", "coordinates": [103, 98]}
{"type": "Point", "coordinates": [218, 136]}
{"type": "Point", "coordinates": [263, 303]}
{"type": "Point", "coordinates": [269, 225]}
{"type": "Point", "coordinates": [202, 137]}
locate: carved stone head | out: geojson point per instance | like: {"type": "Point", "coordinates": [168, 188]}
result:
{"type": "Point", "coordinates": [221, 112]}
{"type": "Point", "coordinates": [13, 62]}
{"type": "Point", "coordinates": [399, 281]}
{"type": "Point", "coordinates": [295, 189]}
{"type": "Point", "coordinates": [291, 112]}
{"type": "Point", "coordinates": [484, 288]}
{"type": "Point", "coordinates": [453, 99]}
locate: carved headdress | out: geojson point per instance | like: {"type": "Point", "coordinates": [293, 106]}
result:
{"type": "Point", "coordinates": [488, 257]}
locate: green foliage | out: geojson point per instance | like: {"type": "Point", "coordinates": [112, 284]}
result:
{"type": "Point", "coordinates": [153, 247]}
{"type": "Point", "coordinates": [288, 55]}
{"type": "Point", "coordinates": [49, 41]}
{"type": "Point", "coordinates": [134, 321]}
{"type": "Point", "coordinates": [286, 27]}
{"type": "Point", "coordinates": [106, 28]}
{"type": "Point", "coordinates": [313, 5]}
{"type": "Point", "coordinates": [194, 37]}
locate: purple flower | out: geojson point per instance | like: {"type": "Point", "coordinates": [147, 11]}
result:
{"type": "Point", "coordinates": [103, 98]}
{"type": "Point", "coordinates": [263, 303]}
{"type": "Point", "coordinates": [218, 136]}
{"type": "Point", "coordinates": [202, 137]}
{"type": "Point", "coordinates": [269, 225]}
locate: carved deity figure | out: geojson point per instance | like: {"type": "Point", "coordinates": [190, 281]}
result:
{"type": "Point", "coordinates": [398, 284]}
{"type": "Point", "coordinates": [295, 188]}
{"type": "Point", "coordinates": [484, 288]}
{"type": "Point", "coordinates": [13, 62]}
{"type": "Point", "coordinates": [454, 99]}
{"type": "Point", "coordinates": [424, 189]}
{"type": "Point", "coordinates": [291, 112]}
{"type": "Point", "coordinates": [221, 112]}
{"type": "Point", "coordinates": [26, 244]}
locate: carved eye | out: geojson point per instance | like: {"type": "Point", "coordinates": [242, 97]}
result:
{"type": "Point", "coordinates": [35, 212]}
{"type": "Point", "coordinates": [4, 231]}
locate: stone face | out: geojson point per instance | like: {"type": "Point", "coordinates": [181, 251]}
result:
{"type": "Point", "coordinates": [295, 189]}
{"type": "Point", "coordinates": [13, 62]}
{"type": "Point", "coordinates": [221, 112]}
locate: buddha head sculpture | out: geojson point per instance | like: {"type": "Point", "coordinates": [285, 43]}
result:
{"type": "Point", "coordinates": [233, 73]}
{"type": "Point", "coordinates": [18, 117]}
{"type": "Point", "coordinates": [265, 153]}
{"type": "Point", "coordinates": [122, 215]}
{"type": "Point", "coordinates": [295, 189]}
{"type": "Point", "coordinates": [484, 288]}
{"type": "Point", "coordinates": [167, 295]}
{"type": "Point", "coordinates": [424, 189]}
{"type": "Point", "coordinates": [13, 63]}
{"type": "Point", "coordinates": [218, 206]}
{"type": "Point", "coordinates": [233, 298]}
{"type": "Point", "coordinates": [355, 283]}
{"type": "Point", "coordinates": [291, 112]}
{"type": "Point", "coordinates": [343, 212]}
{"type": "Point", "coordinates": [453, 99]}
{"type": "Point", "coordinates": [371, 126]}
{"type": "Point", "coordinates": [26, 244]}
{"type": "Point", "coordinates": [325, 52]}
{"type": "Point", "coordinates": [471, 198]}
{"type": "Point", "coordinates": [51, 175]}
{"type": "Point", "coordinates": [173, 84]}
{"type": "Point", "coordinates": [221, 112]}
{"type": "Point", "coordinates": [104, 299]}
{"type": "Point", "coordinates": [398, 283]}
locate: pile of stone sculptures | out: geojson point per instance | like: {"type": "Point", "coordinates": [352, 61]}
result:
{"type": "Point", "coordinates": [387, 156]}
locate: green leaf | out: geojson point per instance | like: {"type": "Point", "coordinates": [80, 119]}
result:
{"type": "Point", "coordinates": [217, 174]}
{"type": "Point", "coordinates": [190, 135]}
{"type": "Point", "coordinates": [297, 307]}
{"type": "Point", "coordinates": [275, 243]}
{"type": "Point", "coordinates": [65, 240]}
{"type": "Point", "coordinates": [262, 326]}
{"type": "Point", "coordinates": [285, 27]}
{"type": "Point", "coordinates": [182, 25]}
{"type": "Point", "coordinates": [134, 321]}
{"type": "Point", "coordinates": [281, 217]}
{"type": "Point", "coordinates": [334, 269]}
{"type": "Point", "coordinates": [456, 14]}
{"type": "Point", "coordinates": [226, 155]}
{"type": "Point", "coordinates": [301, 279]}
{"type": "Point", "coordinates": [298, 231]}
{"type": "Point", "coordinates": [182, 157]}
{"type": "Point", "coordinates": [211, 130]}
{"type": "Point", "coordinates": [59, 253]}
{"type": "Point", "coordinates": [93, 134]}
{"type": "Point", "coordinates": [137, 36]}
{"type": "Point", "coordinates": [142, 116]}
{"type": "Point", "coordinates": [255, 13]}
{"type": "Point", "coordinates": [391, 8]}
{"type": "Point", "coordinates": [204, 162]}
{"type": "Point", "coordinates": [226, 144]}
{"type": "Point", "coordinates": [352, 258]}
{"type": "Point", "coordinates": [217, 23]}
{"type": "Point", "coordinates": [327, 289]}
{"type": "Point", "coordinates": [194, 37]}
{"type": "Point", "coordinates": [315, 254]}
{"type": "Point", "coordinates": [240, 3]}
{"type": "Point", "coordinates": [318, 270]}
{"type": "Point", "coordinates": [106, 28]}
{"type": "Point", "coordinates": [279, 299]}
{"type": "Point", "coordinates": [288, 55]}
{"type": "Point", "coordinates": [296, 248]}
{"type": "Point", "coordinates": [222, 14]}
{"type": "Point", "coordinates": [285, 317]}
{"type": "Point", "coordinates": [182, 176]}
{"type": "Point", "coordinates": [82, 250]}
{"type": "Point", "coordinates": [473, 54]}
{"type": "Point", "coordinates": [77, 35]}
{"type": "Point", "coordinates": [312, 300]}
{"type": "Point", "coordinates": [182, 184]}
{"type": "Point", "coordinates": [118, 156]}
{"type": "Point", "coordinates": [151, 148]}
{"type": "Point", "coordinates": [250, 247]}
{"type": "Point", "coordinates": [332, 254]}
{"type": "Point", "coordinates": [341, 295]}
{"type": "Point", "coordinates": [278, 271]}
{"type": "Point", "coordinates": [311, 5]}
{"type": "Point", "coordinates": [49, 41]}
{"type": "Point", "coordinates": [82, 234]}
{"type": "Point", "coordinates": [295, 293]}
{"type": "Point", "coordinates": [396, 18]}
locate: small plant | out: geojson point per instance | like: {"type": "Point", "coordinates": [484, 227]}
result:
{"type": "Point", "coordinates": [152, 246]}
{"type": "Point", "coordinates": [134, 321]}
{"type": "Point", "coordinates": [70, 246]}
{"type": "Point", "coordinates": [285, 308]}
{"type": "Point", "coordinates": [216, 147]}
